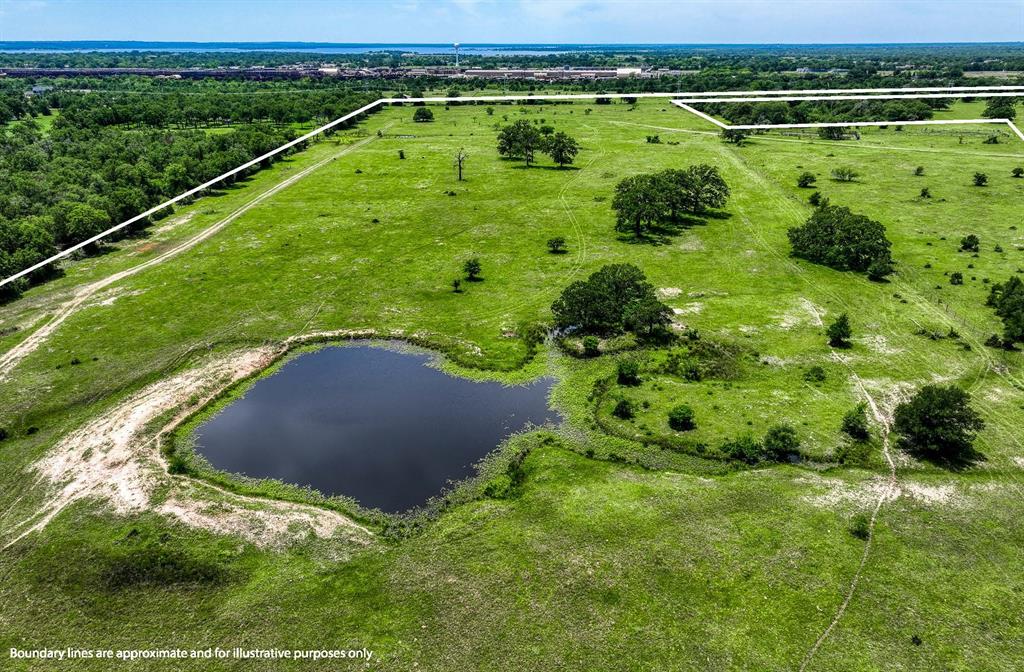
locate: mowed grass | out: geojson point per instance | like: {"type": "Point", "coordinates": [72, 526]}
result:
{"type": "Point", "coordinates": [595, 565]}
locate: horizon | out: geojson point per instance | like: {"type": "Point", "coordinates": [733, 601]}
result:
{"type": "Point", "coordinates": [489, 22]}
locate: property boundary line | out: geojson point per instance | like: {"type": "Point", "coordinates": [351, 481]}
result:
{"type": "Point", "coordinates": [696, 96]}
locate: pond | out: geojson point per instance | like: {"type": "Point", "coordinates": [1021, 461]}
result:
{"type": "Point", "coordinates": [377, 424]}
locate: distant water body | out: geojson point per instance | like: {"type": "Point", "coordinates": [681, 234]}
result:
{"type": "Point", "coordinates": [475, 49]}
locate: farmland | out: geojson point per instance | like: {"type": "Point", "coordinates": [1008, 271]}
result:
{"type": "Point", "coordinates": [616, 546]}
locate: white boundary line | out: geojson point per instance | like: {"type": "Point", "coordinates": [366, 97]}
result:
{"type": "Point", "coordinates": [696, 96]}
{"type": "Point", "coordinates": [683, 104]}
{"type": "Point", "coordinates": [884, 96]}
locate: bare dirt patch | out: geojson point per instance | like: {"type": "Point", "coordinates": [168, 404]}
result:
{"type": "Point", "coordinates": [114, 458]}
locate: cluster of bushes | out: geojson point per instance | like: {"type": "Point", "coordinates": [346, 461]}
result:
{"type": "Point", "coordinates": [646, 200]}
{"type": "Point", "coordinates": [840, 239]}
{"type": "Point", "coordinates": [778, 443]}
{"type": "Point", "coordinates": [522, 140]}
{"type": "Point", "coordinates": [1007, 298]}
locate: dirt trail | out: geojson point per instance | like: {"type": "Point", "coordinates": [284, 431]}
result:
{"type": "Point", "coordinates": [884, 419]}
{"type": "Point", "coordinates": [12, 357]}
{"type": "Point", "coordinates": [115, 458]}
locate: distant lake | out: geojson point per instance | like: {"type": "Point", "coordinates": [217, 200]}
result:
{"type": "Point", "coordinates": [376, 424]}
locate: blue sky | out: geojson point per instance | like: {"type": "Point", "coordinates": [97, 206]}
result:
{"type": "Point", "coordinates": [592, 21]}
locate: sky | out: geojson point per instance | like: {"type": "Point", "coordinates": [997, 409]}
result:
{"type": "Point", "coordinates": [517, 21]}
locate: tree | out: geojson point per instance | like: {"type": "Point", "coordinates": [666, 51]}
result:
{"type": "Point", "coordinates": [599, 304]}
{"type": "Point", "coordinates": [681, 419]}
{"type": "Point", "coordinates": [844, 174]}
{"type": "Point", "coordinates": [591, 346]}
{"type": "Point", "coordinates": [1008, 300]}
{"type": "Point", "coordinates": [1000, 108]}
{"type": "Point", "coordinates": [459, 161]}
{"type": "Point", "coordinates": [815, 199]}
{"type": "Point", "coordinates": [938, 422]}
{"type": "Point", "coordinates": [806, 180]}
{"type": "Point", "coordinates": [647, 316]}
{"type": "Point", "coordinates": [562, 149]}
{"type": "Point", "coordinates": [84, 221]}
{"type": "Point", "coordinates": [472, 269]}
{"type": "Point", "coordinates": [855, 423]}
{"type": "Point", "coordinates": [839, 332]}
{"type": "Point", "coordinates": [926, 192]}
{"type": "Point", "coordinates": [980, 179]}
{"type": "Point", "coordinates": [520, 140]}
{"type": "Point", "coordinates": [638, 203]}
{"type": "Point", "coordinates": [556, 245]}
{"type": "Point", "coordinates": [1017, 172]}
{"type": "Point", "coordinates": [423, 114]}
{"type": "Point", "coordinates": [703, 187]}
{"type": "Point", "coordinates": [956, 278]}
{"type": "Point", "coordinates": [919, 171]}
{"type": "Point", "coordinates": [836, 237]}
{"type": "Point", "coordinates": [457, 285]}
{"type": "Point", "coordinates": [733, 136]}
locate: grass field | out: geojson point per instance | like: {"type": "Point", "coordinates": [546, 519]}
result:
{"type": "Point", "coordinates": [615, 553]}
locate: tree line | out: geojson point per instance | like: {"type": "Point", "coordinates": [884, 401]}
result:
{"type": "Point", "coordinates": [78, 180]}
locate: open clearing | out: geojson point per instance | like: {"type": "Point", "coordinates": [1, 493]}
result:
{"type": "Point", "coordinates": [615, 549]}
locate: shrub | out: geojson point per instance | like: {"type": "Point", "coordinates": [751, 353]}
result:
{"type": "Point", "coordinates": [423, 114]}
{"type": "Point", "coordinates": [970, 243]}
{"type": "Point", "coordinates": [556, 245]}
{"type": "Point", "coordinates": [880, 269]}
{"type": "Point", "coordinates": [681, 419]}
{"type": "Point", "coordinates": [591, 346]}
{"type": "Point", "coordinates": [980, 179]}
{"type": "Point", "coordinates": [779, 442]}
{"type": "Point", "coordinates": [3, 433]}
{"type": "Point", "coordinates": [860, 526]}
{"type": "Point", "coordinates": [457, 285]}
{"type": "Point", "coordinates": [401, 154]}
{"type": "Point", "coordinates": [853, 453]}
{"type": "Point", "coordinates": [956, 278]}
{"type": "Point", "coordinates": [844, 174]}
{"type": "Point", "coordinates": [815, 374]}
{"type": "Point", "coordinates": [472, 269]}
{"type": "Point", "coordinates": [744, 448]}
{"type": "Point", "coordinates": [806, 180]}
{"type": "Point", "coordinates": [628, 372]}
{"type": "Point", "coordinates": [926, 192]}
{"type": "Point", "coordinates": [919, 171]}
{"type": "Point", "coordinates": [855, 423]}
{"type": "Point", "coordinates": [839, 332]}
{"type": "Point", "coordinates": [815, 199]}
{"type": "Point", "coordinates": [938, 422]}
{"type": "Point", "coordinates": [1017, 172]}
{"type": "Point", "coordinates": [624, 409]}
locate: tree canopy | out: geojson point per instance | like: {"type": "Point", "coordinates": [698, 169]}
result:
{"type": "Point", "coordinates": [840, 239]}
{"type": "Point", "coordinates": [642, 201]}
{"type": "Point", "coordinates": [1008, 300]}
{"type": "Point", "coordinates": [613, 299]}
{"type": "Point", "coordinates": [938, 422]}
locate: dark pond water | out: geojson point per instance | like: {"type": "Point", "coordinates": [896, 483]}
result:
{"type": "Point", "coordinates": [372, 423]}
